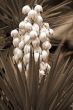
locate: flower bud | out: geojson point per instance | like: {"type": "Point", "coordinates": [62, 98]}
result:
{"type": "Point", "coordinates": [18, 52]}
{"type": "Point", "coordinates": [42, 29]}
{"type": "Point", "coordinates": [21, 32]}
{"type": "Point", "coordinates": [35, 27]}
{"type": "Point", "coordinates": [21, 44]}
{"type": "Point", "coordinates": [36, 42]}
{"type": "Point", "coordinates": [32, 14]}
{"type": "Point", "coordinates": [14, 33]}
{"type": "Point", "coordinates": [26, 49]}
{"type": "Point", "coordinates": [46, 45]}
{"type": "Point", "coordinates": [15, 50]}
{"type": "Point", "coordinates": [27, 20]}
{"type": "Point", "coordinates": [16, 42]}
{"type": "Point", "coordinates": [28, 26]}
{"type": "Point", "coordinates": [26, 39]}
{"type": "Point", "coordinates": [33, 35]}
{"type": "Point", "coordinates": [47, 33]}
{"type": "Point", "coordinates": [38, 8]}
{"type": "Point", "coordinates": [22, 25]}
{"type": "Point", "coordinates": [16, 58]}
{"type": "Point", "coordinates": [26, 9]}
{"type": "Point", "coordinates": [44, 56]}
{"type": "Point", "coordinates": [26, 59]}
{"type": "Point", "coordinates": [48, 67]}
{"type": "Point", "coordinates": [46, 25]}
{"type": "Point", "coordinates": [39, 20]}
{"type": "Point", "coordinates": [42, 36]}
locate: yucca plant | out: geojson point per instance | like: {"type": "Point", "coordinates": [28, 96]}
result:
{"type": "Point", "coordinates": [18, 92]}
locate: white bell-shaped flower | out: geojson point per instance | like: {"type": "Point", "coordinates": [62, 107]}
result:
{"type": "Point", "coordinates": [27, 20]}
{"type": "Point", "coordinates": [15, 58]}
{"type": "Point", "coordinates": [42, 29]}
{"type": "Point", "coordinates": [26, 38]}
{"type": "Point", "coordinates": [22, 25]}
{"type": "Point", "coordinates": [32, 14]}
{"type": "Point", "coordinates": [27, 48]}
{"type": "Point", "coordinates": [47, 33]}
{"type": "Point", "coordinates": [35, 27]}
{"type": "Point", "coordinates": [38, 50]}
{"type": "Point", "coordinates": [42, 66]}
{"type": "Point", "coordinates": [38, 8]}
{"type": "Point", "coordinates": [51, 31]}
{"type": "Point", "coordinates": [39, 20]}
{"type": "Point", "coordinates": [16, 41]}
{"type": "Point", "coordinates": [46, 25]}
{"type": "Point", "coordinates": [46, 45]}
{"type": "Point", "coordinates": [48, 67]}
{"type": "Point", "coordinates": [18, 52]}
{"type": "Point", "coordinates": [43, 37]}
{"type": "Point", "coordinates": [36, 56]}
{"type": "Point", "coordinates": [33, 34]}
{"type": "Point", "coordinates": [21, 32]}
{"type": "Point", "coordinates": [19, 66]}
{"type": "Point", "coordinates": [41, 73]}
{"type": "Point", "coordinates": [15, 50]}
{"type": "Point", "coordinates": [28, 26]}
{"type": "Point", "coordinates": [14, 33]}
{"type": "Point", "coordinates": [44, 55]}
{"type": "Point", "coordinates": [21, 44]}
{"type": "Point", "coordinates": [26, 9]}
{"type": "Point", "coordinates": [26, 59]}
{"type": "Point", "coordinates": [36, 43]}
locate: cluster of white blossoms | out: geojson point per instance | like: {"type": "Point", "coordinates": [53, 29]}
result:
{"type": "Point", "coordinates": [33, 31]}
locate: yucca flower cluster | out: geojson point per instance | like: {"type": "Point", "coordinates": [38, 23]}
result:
{"type": "Point", "coordinates": [33, 32]}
